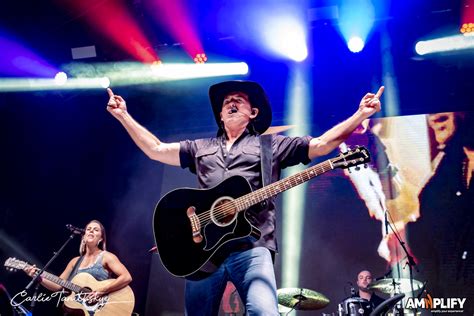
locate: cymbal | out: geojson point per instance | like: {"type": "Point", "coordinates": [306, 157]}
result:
{"type": "Point", "coordinates": [394, 285]}
{"type": "Point", "coordinates": [301, 299]}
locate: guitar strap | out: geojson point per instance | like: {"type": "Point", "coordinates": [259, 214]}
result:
{"type": "Point", "coordinates": [76, 267]}
{"type": "Point", "coordinates": [266, 154]}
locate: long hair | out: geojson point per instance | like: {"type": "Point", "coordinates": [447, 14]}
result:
{"type": "Point", "coordinates": [102, 244]}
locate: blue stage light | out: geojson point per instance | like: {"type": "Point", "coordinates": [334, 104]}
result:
{"type": "Point", "coordinates": [355, 44]}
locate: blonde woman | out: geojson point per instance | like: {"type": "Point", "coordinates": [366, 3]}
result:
{"type": "Point", "coordinates": [95, 260]}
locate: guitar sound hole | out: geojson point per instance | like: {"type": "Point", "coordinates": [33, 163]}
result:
{"type": "Point", "coordinates": [223, 211]}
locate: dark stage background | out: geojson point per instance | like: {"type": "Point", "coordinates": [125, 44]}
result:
{"type": "Point", "coordinates": [65, 160]}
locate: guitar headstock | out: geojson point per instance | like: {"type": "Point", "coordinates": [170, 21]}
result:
{"type": "Point", "coordinates": [13, 264]}
{"type": "Point", "coordinates": [353, 157]}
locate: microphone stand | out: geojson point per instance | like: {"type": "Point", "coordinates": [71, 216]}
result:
{"type": "Point", "coordinates": [36, 277]}
{"type": "Point", "coordinates": [410, 261]}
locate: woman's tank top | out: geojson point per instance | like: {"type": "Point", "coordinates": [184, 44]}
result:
{"type": "Point", "coordinates": [97, 270]}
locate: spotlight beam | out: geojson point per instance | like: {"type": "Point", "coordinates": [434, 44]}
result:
{"type": "Point", "coordinates": [444, 44]}
{"type": "Point", "coordinates": [298, 107]}
{"type": "Point", "coordinates": [112, 19]}
{"type": "Point", "coordinates": [35, 84]}
{"type": "Point", "coordinates": [126, 74]}
{"type": "Point", "coordinates": [175, 17]}
{"type": "Point", "coordinates": [356, 22]}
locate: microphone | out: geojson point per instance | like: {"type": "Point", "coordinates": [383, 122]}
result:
{"type": "Point", "coordinates": [76, 230]}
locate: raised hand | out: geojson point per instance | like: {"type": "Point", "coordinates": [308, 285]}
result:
{"type": "Point", "coordinates": [116, 105]}
{"type": "Point", "coordinates": [370, 103]}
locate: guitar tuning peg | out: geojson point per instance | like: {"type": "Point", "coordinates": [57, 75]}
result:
{"type": "Point", "coordinates": [357, 168]}
{"type": "Point", "coordinates": [350, 171]}
{"type": "Point", "coordinates": [366, 166]}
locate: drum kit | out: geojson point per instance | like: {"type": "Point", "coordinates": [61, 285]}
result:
{"type": "Point", "coordinates": [290, 299]}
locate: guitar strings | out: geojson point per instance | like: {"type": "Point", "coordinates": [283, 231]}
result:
{"type": "Point", "coordinates": [228, 208]}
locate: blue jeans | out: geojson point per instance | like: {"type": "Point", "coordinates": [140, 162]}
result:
{"type": "Point", "coordinates": [252, 273]}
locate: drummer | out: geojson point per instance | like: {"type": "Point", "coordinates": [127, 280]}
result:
{"type": "Point", "coordinates": [364, 278]}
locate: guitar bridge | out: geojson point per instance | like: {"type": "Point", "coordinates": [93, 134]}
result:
{"type": "Point", "coordinates": [195, 224]}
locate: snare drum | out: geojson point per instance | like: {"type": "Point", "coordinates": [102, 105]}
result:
{"type": "Point", "coordinates": [355, 306]}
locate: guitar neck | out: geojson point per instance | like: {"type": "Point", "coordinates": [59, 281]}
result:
{"type": "Point", "coordinates": [64, 283]}
{"type": "Point", "coordinates": [257, 196]}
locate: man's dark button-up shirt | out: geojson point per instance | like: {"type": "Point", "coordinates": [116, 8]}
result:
{"type": "Point", "coordinates": [212, 163]}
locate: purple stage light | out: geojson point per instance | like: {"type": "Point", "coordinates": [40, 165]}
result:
{"type": "Point", "coordinates": [18, 60]}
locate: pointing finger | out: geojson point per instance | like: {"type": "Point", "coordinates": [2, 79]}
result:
{"type": "Point", "coordinates": [109, 91]}
{"type": "Point", "coordinates": [379, 93]}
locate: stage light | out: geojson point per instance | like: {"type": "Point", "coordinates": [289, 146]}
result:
{"type": "Point", "coordinates": [200, 58]}
{"type": "Point", "coordinates": [104, 82]}
{"type": "Point", "coordinates": [35, 84]}
{"type": "Point", "coordinates": [467, 29]}
{"type": "Point", "coordinates": [467, 18]}
{"type": "Point", "coordinates": [133, 73]}
{"type": "Point", "coordinates": [113, 19]}
{"type": "Point", "coordinates": [285, 36]}
{"type": "Point", "coordinates": [60, 78]}
{"type": "Point", "coordinates": [298, 107]}
{"type": "Point", "coordinates": [16, 59]}
{"type": "Point", "coordinates": [156, 65]}
{"type": "Point", "coordinates": [189, 71]}
{"type": "Point", "coordinates": [391, 95]}
{"type": "Point", "coordinates": [175, 17]}
{"type": "Point", "coordinates": [355, 44]}
{"type": "Point", "coordinates": [356, 19]}
{"type": "Point", "coordinates": [444, 44]}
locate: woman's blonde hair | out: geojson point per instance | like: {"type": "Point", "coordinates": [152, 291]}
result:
{"type": "Point", "coordinates": [102, 243]}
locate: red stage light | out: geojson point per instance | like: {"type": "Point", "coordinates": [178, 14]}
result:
{"type": "Point", "coordinates": [200, 58]}
{"type": "Point", "coordinates": [467, 25]}
{"type": "Point", "coordinates": [112, 19]}
{"type": "Point", "coordinates": [467, 29]}
{"type": "Point", "coordinates": [175, 17]}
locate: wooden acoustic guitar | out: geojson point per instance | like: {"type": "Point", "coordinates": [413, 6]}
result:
{"type": "Point", "coordinates": [118, 303]}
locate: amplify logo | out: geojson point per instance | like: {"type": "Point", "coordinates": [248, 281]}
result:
{"type": "Point", "coordinates": [450, 304]}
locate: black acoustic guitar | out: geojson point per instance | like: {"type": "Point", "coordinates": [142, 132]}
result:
{"type": "Point", "coordinates": [191, 225]}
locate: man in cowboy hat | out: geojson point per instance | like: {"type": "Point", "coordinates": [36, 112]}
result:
{"type": "Point", "coordinates": [242, 113]}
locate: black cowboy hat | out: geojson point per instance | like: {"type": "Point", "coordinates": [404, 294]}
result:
{"type": "Point", "coordinates": [257, 97]}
